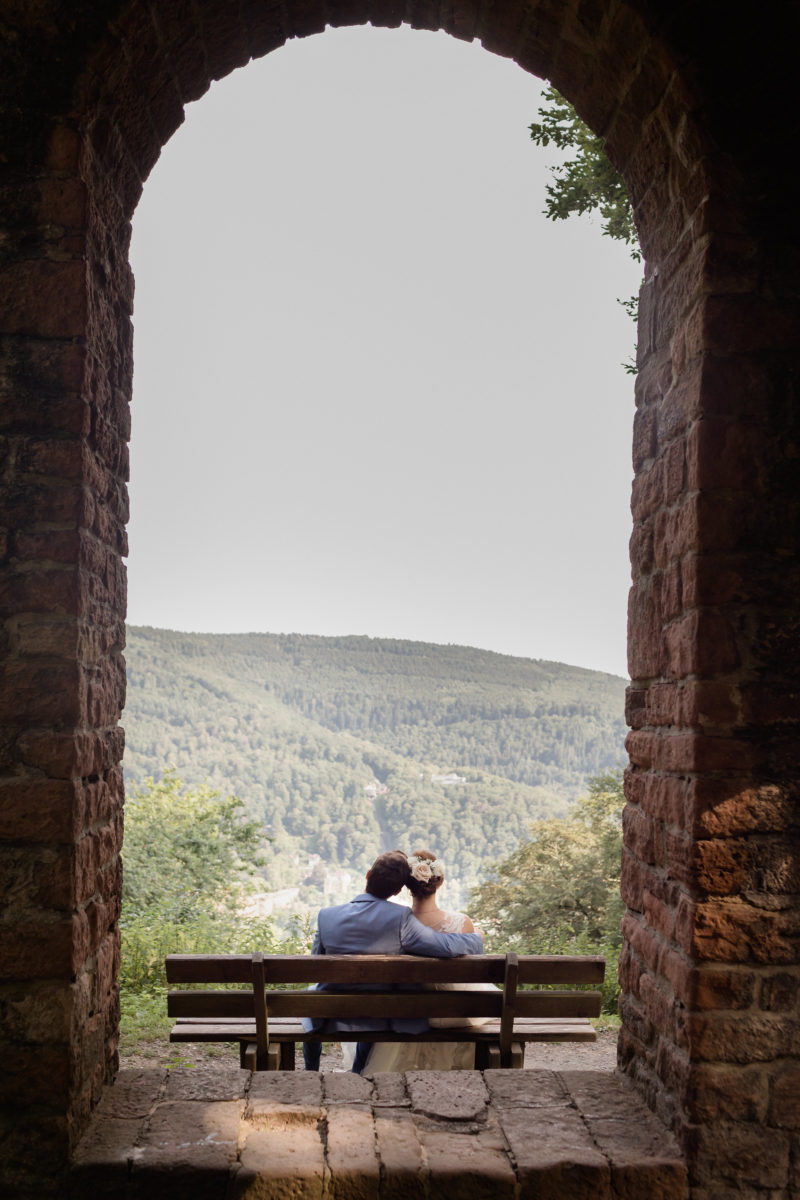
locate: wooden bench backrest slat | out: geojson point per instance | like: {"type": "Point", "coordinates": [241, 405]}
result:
{"type": "Point", "coordinates": [509, 1007]}
{"type": "Point", "coordinates": [227, 1005]}
{"type": "Point", "coordinates": [384, 969]}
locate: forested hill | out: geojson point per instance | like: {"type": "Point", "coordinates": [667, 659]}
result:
{"type": "Point", "coordinates": [343, 745]}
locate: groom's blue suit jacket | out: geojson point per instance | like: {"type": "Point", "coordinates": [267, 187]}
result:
{"type": "Point", "coordinates": [367, 925]}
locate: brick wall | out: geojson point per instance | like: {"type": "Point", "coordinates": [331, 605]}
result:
{"type": "Point", "coordinates": [694, 103]}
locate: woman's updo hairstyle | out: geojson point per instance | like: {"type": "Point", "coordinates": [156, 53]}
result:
{"type": "Point", "coordinates": [427, 873]}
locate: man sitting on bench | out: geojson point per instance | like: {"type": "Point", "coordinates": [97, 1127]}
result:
{"type": "Point", "coordinates": [371, 924]}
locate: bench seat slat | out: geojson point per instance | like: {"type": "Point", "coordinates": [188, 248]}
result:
{"type": "Point", "coordinates": [538, 969]}
{"type": "Point", "coordinates": [553, 1030]}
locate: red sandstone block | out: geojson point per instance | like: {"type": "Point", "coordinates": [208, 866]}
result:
{"type": "Point", "coordinates": [770, 703]}
{"type": "Point", "coordinates": [639, 834]}
{"type": "Point", "coordinates": [45, 298]}
{"type": "Point", "coordinates": [631, 886]}
{"type": "Point", "coordinates": [697, 752]}
{"type": "Point", "coordinates": [641, 548]}
{"type": "Point", "coordinates": [738, 324]}
{"type": "Point", "coordinates": [674, 472]}
{"type": "Point", "coordinates": [722, 454]}
{"type": "Point", "coordinates": [646, 650]}
{"type": "Point", "coordinates": [679, 397]}
{"type": "Point", "coordinates": [701, 643]}
{"type": "Point", "coordinates": [641, 747]}
{"type": "Point", "coordinates": [62, 756]}
{"type": "Point", "coordinates": [39, 637]}
{"type": "Point", "coordinates": [399, 1151]}
{"type": "Point", "coordinates": [709, 703]}
{"type": "Point", "coordinates": [647, 494]}
{"type": "Point", "coordinates": [32, 502]}
{"type": "Point", "coordinates": [736, 386]}
{"type": "Point", "coordinates": [39, 695]}
{"type": "Point", "coordinates": [779, 992]}
{"type": "Point", "coordinates": [739, 1155]}
{"type": "Point", "coordinates": [727, 807]}
{"type": "Point", "coordinates": [677, 971]}
{"type": "Point", "coordinates": [730, 930]}
{"type": "Point", "coordinates": [663, 797]}
{"type": "Point", "coordinates": [640, 1032]}
{"type": "Point", "coordinates": [636, 707]}
{"type": "Point", "coordinates": [33, 1074]}
{"type": "Point", "coordinates": [720, 867]}
{"type": "Point", "coordinates": [474, 1165]}
{"type": "Point", "coordinates": [716, 988]}
{"type": "Point", "coordinates": [454, 1096]}
{"type": "Point", "coordinates": [727, 1092]}
{"type": "Point", "coordinates": [644, 941]}
{"type": "Point", "coordinates": [39, 810]}
{"type": "Point", "coordinates": [351, 1157]}
{"type": "Point", "coordinates": [45, 591]}
{"type": "Point", "coordinates": [784, 1109]}
{"type": "Point", "coordinates": [645, 437]}
{"type": "Point", "coordinates": [658, 1006]}
{"type": "Point", "coordinates": [63, 201]}
{"type": "Point", "coordinates": [629, 971]}
{"type": "Point", "coordinates": [659, 915]}
{"type": "Point", "coordinates": [48, 950]}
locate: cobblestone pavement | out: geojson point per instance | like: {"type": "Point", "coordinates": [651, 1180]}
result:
{"type": "Point", "coordinates": [220, 1133]}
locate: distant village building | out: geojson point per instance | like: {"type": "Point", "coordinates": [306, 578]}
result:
{"type": "Point", "coordinates": [448, 779]}
{"type": "Point", "coordinates": [375, 789]}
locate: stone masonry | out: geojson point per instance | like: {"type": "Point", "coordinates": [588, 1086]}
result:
{"type": "Point", "coordinates": [222, 1133]}
{"type": "Point", "coordinates": [695, 102]}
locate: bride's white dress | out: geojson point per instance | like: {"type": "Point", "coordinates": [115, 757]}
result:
{"type": "Point", "coordinates": [429, 1056]}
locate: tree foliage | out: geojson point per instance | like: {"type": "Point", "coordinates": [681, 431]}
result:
{"type": "Point", "coordinates": [559, 891]}
{"type": "Point", "coordinates": [587, 182]}
{"type": "Point", "coordinates": [188, 860]}
{"type": "Point", "coordinates": [308, 731]}
{"type": "Point", "coordinates": [186, 849]}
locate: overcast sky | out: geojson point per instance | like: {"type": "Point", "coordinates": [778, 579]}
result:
{"type": "Point", "coordinates": [376, 391]}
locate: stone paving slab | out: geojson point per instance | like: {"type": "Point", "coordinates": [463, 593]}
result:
{"type": "Point", "coordinates": [224, 1134]}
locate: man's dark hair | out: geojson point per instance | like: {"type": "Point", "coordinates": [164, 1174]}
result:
{"type": "Point", "coordinates": [388, 874]}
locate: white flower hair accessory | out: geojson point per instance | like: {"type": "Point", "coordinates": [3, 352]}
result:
{"type": "Point", "coordinates": [424, 869]}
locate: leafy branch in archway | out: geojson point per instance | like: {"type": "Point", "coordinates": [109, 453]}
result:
{"type": "Point", "coordinates": [586, 182]}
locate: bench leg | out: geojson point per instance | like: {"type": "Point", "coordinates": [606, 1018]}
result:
{"type": "Point", "coordinates": [250, 1059]}
{"type": "Point", "coordinates": [491, 1059]}
{"type": "Point", "coordinates": [493, 1062]}
{"type": "Point", "coordinates": [287, 1056]}
{"type": "Point", "coordinates": [517, 1056]}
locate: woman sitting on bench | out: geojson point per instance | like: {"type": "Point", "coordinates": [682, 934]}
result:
{"type": "Point", "coordinates": [427, 876]}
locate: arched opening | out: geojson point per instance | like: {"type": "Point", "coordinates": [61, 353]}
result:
{"type": "Point", "coordinates": [710, 863]}
{"type": "Point", "coordinates": [343, 455]}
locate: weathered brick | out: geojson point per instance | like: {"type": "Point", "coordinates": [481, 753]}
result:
{"type": "Point", "coordinates": [555, 1154]}
{"type": "Point", "coordinates": [473, 1163]}
{"type": "Point", "coordinates": [400, 1152]}
{"type": "Point", "coordinates": [284, 1160]}
{"type": "Point", "coordinates": [351, 1154]}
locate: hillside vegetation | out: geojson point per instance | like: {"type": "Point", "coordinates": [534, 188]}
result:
{"type": "Point", "coordinates": [341, 746]}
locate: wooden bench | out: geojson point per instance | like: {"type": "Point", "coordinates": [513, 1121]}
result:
{"type": "Point", "coordinates": [531, 1004]}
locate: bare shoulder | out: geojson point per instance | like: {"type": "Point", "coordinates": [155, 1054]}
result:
{"type": "Point", "coordinates": [456, 922]}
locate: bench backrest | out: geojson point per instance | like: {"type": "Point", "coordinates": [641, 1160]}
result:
{"type": "Point", "coordinates": [378, 974]}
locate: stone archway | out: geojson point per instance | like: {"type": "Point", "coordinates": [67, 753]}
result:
{"type": "Point", "coordinates": [711, 876]}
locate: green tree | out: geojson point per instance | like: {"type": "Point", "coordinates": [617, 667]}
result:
{"type": "Point", "coordinates": [189, 859]}
{"type": "Point", "coordinates": [558, 892]}
{"type": "Point", "coordinates": [587, 182]}
{"type": "Point", "coordinates": [186, 850]}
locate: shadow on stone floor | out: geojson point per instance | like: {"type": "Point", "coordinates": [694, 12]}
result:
{"type": "Point", "coordinates": [220, 1133]}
